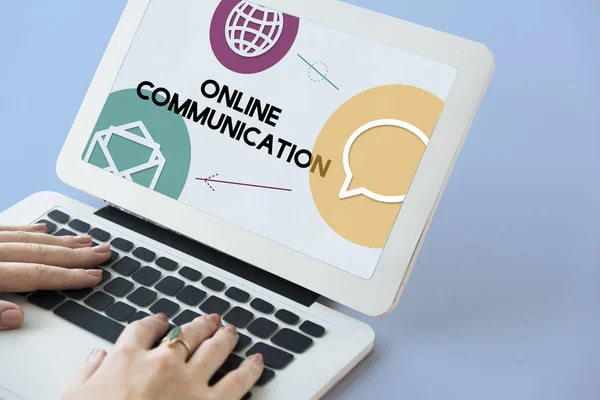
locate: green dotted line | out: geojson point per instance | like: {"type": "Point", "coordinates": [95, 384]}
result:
{"type": "Point", "coordinates": [325, 74]}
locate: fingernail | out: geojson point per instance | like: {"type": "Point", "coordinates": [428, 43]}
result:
{"type": "Point", "coordinates": [230, 329]}
{"type": "Point", "coordinates": [82, 239]}
{"type": "Point", "coordinates": [162, 316]}
{"type": "Point", "coordinates": [11, 319]}
{"type": "Point", "coordinates": [95, 272]}
{"type": "Point", "coordinates": [257, 358]}
{"type": "Point", "coordinates": [216, 318]}
{"type": "Point", "coordinates": [105, 248]}
{"type": "Point", "coordinates": [39, 227]}
{"type": "Point", "coordinates": [96, 354]}
{"type": "Point", "coordinates": [93, 354]}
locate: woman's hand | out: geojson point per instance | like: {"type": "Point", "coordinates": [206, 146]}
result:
{"type": "Point", "coordinates": [135, 371]}
{"type": "Point", "coordinates": [32, 260]}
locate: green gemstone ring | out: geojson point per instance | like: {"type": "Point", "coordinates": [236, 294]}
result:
{"type": "Point", "coordinates": [175, 336]}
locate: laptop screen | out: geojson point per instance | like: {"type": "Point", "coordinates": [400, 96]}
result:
{"type": "Point", "coordinates": [300, 133]}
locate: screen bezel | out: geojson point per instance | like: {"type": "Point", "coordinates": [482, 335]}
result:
{"type": "Point", "coordinates": [375, 296]}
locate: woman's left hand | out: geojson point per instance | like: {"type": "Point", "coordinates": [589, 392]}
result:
{"type": "Point", "coordinates": [32, 260]}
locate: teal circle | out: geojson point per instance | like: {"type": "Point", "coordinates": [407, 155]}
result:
{"type": "Point", "coordinates": [166, 128]}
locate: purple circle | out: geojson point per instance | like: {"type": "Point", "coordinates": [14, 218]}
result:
{"type": "Point", "coordinates": [249, 65]}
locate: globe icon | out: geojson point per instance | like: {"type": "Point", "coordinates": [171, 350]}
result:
{"type": "Point", "coordinates": [251, 30]}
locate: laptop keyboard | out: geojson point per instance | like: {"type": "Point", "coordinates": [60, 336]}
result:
{"type": "Point", "coordinates": [134, 285]}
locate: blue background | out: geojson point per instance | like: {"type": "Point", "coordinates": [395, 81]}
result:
{"type": "Point", "coordinates": [504, 302]}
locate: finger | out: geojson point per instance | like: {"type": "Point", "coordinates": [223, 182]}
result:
{"type": "Point", "coordinates": [213, 352]}
{"type": "Point", "coordinates": [92, 363]}
{"type": "Point", "coordinates": [41, 228]}
{"type": "Point", "coordinates": [194, 333]}
{"type": "Point", "coordinates": [11, 316]}
{"type": "Point", "coordinates": [144, 332]}
{"type": "Point", "coordinates": [19, 277]}
{"type": "Point", "coordinates": [73, 242]}
{"type": "Point", "coordinates": [238, 382]}
{"type": "Point", "coordinates": [54, 255]}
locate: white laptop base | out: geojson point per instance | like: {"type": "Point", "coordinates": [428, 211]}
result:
{"type": "Point", "coordinates": [39, 360]}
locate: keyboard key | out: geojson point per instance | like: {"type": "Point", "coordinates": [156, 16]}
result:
{"type": "Point", "coordinates": [169, 286]}
{"type": "Point", "coordinates": [99, 301]}
{"type": "Point", "coordinates": [79, 225]}
{"type": "Point", "coordinates": [118, 287]}
{"type": "Point", "coordinates": [262, 327]}
{"type": "Point", "coordinates": [292, 340]}
{"type": "Point", "coordinates": [312, 329]}
{"type": "Point", "coordinates": [185, 317]}
{"type": "Point", "coordinates": [142, 297]}
{"type": "Point", "coordinates": [165, 306]}
{"type": "Point", "coordinates": [190, 273]}
{"type": "Point", "coordinates": [122, 244]}
{"type": "Point", "coordinates": [262, 306]}
{"type": "Point", "coordinates": [214, 305]}
{"type": "Point", "coordinates": [50, 226]}
{"type": "Point", "coordinates": [99, 234]}
{"type": "Point", "coordinates": [65, 232]}
{"type": "Point", "coordinates": [213, 284]}
{"type": "Point", "coordinates": [171, 327]}
{"type": "Point", "coordinates": [144, 254]}
{"type": "Point", "coordinates": [89, 320]}
{"type": "Point", "coordinates": [126, 266]}
{"type": "Point", "coordinates": [274, 357]}
{"type": "Point", "coordinates": [137, 316]}
{"type": "Point", "coordinates": [243, 342]}
{"type": "Point", "coordinates": [217, 376]}
{"type": "Point", "coordinates": [191, 295]}
{"type": "Point", "coordinates": [105, 276]}
{"type": "Point", "coordinates": [58, 216]}
{"type": "Point", "coordinates": [265, 377]}
{"type": "Point", "coordinates": [166, 263]}
{"type": "Point", "coordinates": [120, 311]}
{"type": "Point", "coordinates": [46, 299]}
{"type": "Point", "coordinates": [146, 276]}
{"type": "Point", "coordinates": [78, 294]}
{"type": "Point", "coordinates": [113, 256]}
{"type": "Point", "coordinates": [238, 317]}
{"type": "Point", "coordinates": [287, 317]}
{"type": "Point", "coordinates": [237, 294]}
{"type": "Point", "coordinates": [231, 363]}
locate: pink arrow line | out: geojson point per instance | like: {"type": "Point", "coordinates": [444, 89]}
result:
{"type": "Point", "coordinates": [207, 180]}
{"type": "Point", "coordinates": [208, 184]}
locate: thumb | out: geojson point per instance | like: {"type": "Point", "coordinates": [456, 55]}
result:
{"type": "Point", "coordinates": [92, 363]}
{"type": "Point", "coordinates": [11, 315]}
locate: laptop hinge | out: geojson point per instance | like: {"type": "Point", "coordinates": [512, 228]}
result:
{"type": "Point", "coordinates": [208, 254]}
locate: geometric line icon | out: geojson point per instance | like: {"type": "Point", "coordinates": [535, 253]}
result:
{"type": "Point", "coordinates": [320, 76]}
{"type": "Point", "coordinates": [247, 38]}
{"type": "Point", "coordinates": [156, 159]}
{"type": "Point", "coordinates": [252, 31]}
{"type": "Point", "coordinates": [346, 192]}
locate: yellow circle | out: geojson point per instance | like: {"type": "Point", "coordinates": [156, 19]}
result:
{"type": "Point", "coordinates": [383, 159]}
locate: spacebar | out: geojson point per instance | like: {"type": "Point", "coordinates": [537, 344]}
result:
{"type": "Point", "coordinates": [90, 320]}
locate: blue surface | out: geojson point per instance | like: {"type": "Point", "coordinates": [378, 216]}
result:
{"type": "Point", "coordinates": [504, 300]}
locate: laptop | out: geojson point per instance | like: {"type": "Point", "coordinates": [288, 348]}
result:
{"type": "Point", "coordinates": [255, 160]}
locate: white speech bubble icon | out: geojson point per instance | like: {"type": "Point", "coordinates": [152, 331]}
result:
{"type": "Point", "coordinates": [345, 193]}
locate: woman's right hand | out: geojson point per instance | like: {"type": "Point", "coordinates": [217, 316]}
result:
{"type": "Point", "coordinates": [134, 370]}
